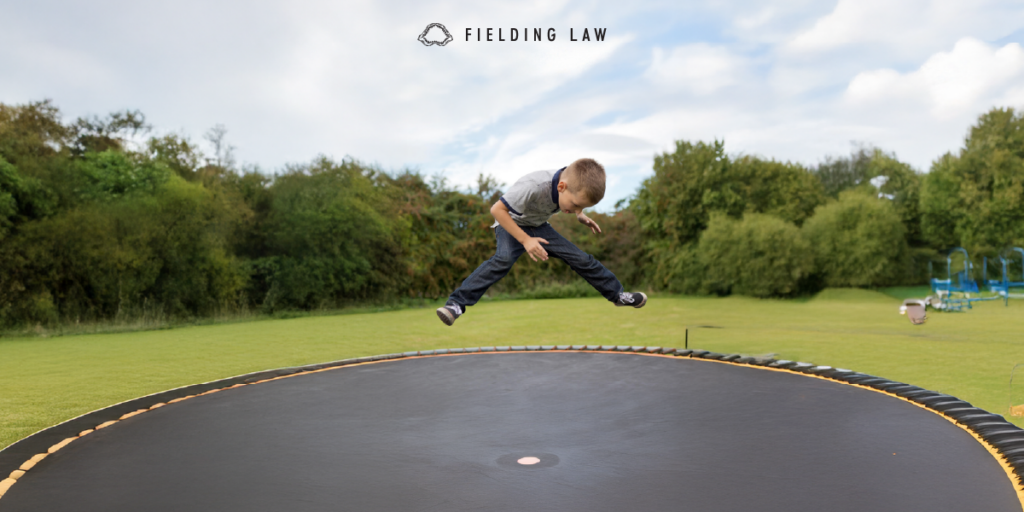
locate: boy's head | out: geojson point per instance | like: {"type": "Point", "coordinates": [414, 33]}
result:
{"type": "Point", "coordinates": [580, 186]}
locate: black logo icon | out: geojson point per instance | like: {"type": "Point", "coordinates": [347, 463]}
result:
{"type": "Point", "coordinates": [434, 39]}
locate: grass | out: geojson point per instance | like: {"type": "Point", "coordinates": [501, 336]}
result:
{"type": "Point", "coordinates": [44, 381]}
{"type": "Point", "coordinates": [149, 320]}
{"type": "Point", "coordinates": [907, 292]}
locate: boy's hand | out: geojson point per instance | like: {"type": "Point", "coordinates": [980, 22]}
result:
{"type": "Point", "coordinates": [589, 223]}
{"type": "Point", "coordinates": [534, 249]}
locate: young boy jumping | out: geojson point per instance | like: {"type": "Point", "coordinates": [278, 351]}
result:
{"type": "Point", "coordinates": [521, 225]}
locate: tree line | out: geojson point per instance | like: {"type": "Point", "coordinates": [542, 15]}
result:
{"type": "Point", "coordinates": [100, 220]}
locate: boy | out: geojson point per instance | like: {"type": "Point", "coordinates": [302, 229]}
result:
{"type": "Point", "coordinates": [521, 226]}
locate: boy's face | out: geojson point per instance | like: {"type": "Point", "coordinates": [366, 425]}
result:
{"type": "Point", "coordinates": [569, 202]}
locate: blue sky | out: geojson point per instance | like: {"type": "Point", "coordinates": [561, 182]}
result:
{"type": "Point", "coordinates": [790, 80]}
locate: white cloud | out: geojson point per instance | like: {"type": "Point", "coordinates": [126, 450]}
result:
{"type": "Point", "coordinates": [967, 79]}
{"type": "Point", "coordinates": [756, 20]}
{"type": "Point", "coordinates": [369, 97]}
{"type": "Point", "coordinates": [854, 21]}
{"type": "Point", "coordinates": [699, 68]}
{"type": "Point", "coordinates": [60, 66]}
{"type": "Point", "coordinates": [908, 27]}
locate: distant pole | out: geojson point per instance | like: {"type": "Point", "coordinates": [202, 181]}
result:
{"type": "Point", "coordinates": [686, 339]}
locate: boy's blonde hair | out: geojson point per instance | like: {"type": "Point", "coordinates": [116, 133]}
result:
{"type": "Point", "coordinates": [586, 176]}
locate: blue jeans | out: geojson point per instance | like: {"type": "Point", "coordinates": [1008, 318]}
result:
{"type": "Point", "coordinates": [508, 251]}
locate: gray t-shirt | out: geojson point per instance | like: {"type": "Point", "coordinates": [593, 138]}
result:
{"type": "Point", "coordinates": [533, 199]}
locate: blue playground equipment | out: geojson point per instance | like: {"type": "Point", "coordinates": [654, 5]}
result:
{"type": "Point", "coordinates": [1005, 286]}
{"type": "Point", "coordinates": [962, 281]}
{"type": "Point", "coordinates": [955, 291]}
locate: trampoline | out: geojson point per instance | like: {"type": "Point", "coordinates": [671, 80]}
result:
{"type": "Point", "coordinates": [570, 428]}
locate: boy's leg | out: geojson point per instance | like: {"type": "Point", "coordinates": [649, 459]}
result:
{"type": "Point", "coordinates": [489, 272]}
{"type": "Point", "coordinates": [584, 264]}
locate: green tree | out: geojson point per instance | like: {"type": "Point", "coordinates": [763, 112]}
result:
{"type": "Point", "coordinates": [449, 230]}
{"type": "Point", "coordinates": [179, 154]}
{"type": "Point", "coordinates": [31, 136]}
{"type": "Point", "coordinates": [96, 134]}
{"type": "Point", "coordinates": [843, 173]}
{"type": "Point", "coordinates": [975, 199]}
{"type": "Point", "coordinates": [674, 205]}
{"type": "Point", "coordinates": [109, 175]}
{"type": "Point", "coordinates": [785, 190]}
{"type": "Point", "coordinates": [901, 183]}
{"type": "Point", "coordinates": [903, 186]}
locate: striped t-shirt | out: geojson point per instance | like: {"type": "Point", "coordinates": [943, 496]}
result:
{"type": "Point", "coordinates": [533, 199]}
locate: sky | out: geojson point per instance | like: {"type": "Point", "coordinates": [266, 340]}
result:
{"type": "Point", "coordinates": [794, 80]}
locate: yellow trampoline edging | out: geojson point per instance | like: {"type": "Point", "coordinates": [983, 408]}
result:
{"type": "Point", "coordinates": [1013, 468]}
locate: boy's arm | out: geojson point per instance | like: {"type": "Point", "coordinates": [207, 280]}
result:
{"type": "Point", "coordinates": [532, 244]}
{"type": "Point", "coordinates": [587, 221]}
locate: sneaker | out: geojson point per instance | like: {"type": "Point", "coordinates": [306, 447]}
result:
{"type": "Point", "coordinates": [449, 313]}
{"type": "Point", "coordinates": [635, 299]}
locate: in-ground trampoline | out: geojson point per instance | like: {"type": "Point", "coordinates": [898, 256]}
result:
{"type": "Point", "coordinates": [527, 428]}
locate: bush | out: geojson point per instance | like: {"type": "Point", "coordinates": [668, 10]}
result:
{"type": "Point", "coordinates": [761, 255]}
{"type": "Point", "coordinates": [858, 241]}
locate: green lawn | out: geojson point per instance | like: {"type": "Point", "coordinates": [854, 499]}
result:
{"type": "Point", "coordinates": [44, 381]}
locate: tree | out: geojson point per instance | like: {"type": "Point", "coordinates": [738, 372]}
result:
{"type": "Point", "coordinates": [843, 173]}
{"type": "Point", "coordinates": [976, 199]}
{"type": "Point", "coordinates": [96, 134]}
{"type": "Point", "coordinates": [224, 153]}
{"type": "Point", "coordinates": [178, 153]}
{"type": "Point", "coordinates": [785, 190]}
{"type": "Point", "coordinates": [903, 186]}
{"type": "Point", "coordinates": [21, 198]}
{"type": "Point", "coordinates": [111, 174]}
{"type": "Point", "coordinates": [33, 138]}
{"type": "Point", "coordinates": [697, 180]}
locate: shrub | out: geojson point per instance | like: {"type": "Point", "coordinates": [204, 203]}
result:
{"type": "Point", "coordinates": [331, 237]}
{"type": "Point", "coordinates": [858, 241]}
{"type": "Point", "coordinates": [761, 255]}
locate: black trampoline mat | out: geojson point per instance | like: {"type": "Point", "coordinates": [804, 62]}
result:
{"type": "Point", "coordinates": [611, 432]}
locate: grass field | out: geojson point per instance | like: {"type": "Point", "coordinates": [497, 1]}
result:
{"type": "Point", "coordinates": [44, 381]}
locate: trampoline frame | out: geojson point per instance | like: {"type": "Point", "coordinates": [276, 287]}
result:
{"type": "Point", "coordinates": [999, 437]}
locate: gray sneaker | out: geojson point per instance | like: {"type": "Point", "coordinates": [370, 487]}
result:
{"type": "Point", "coordinates": [449, 313]}
{"type": "Point", "coordinates": [631, 299]}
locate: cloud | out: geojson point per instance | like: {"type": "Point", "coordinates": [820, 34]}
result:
{"type": "Point", "coordinates": [26, 51]}
{"type": "Point", "coordinates": [968, 78]}
{"type": "Point", "coordinates": [698, 68]}
{"type": "Point", "coordinates": [905, 28]}
{"type": "Point", "coordinates": [855, 22]}
{"type": "Point", "coordinates": [407, 101]}
{"type": "Point", "coordinates": [756, 20]}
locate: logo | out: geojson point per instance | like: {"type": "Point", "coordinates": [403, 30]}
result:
{"type": "Point", "coordinates": [434, 37]}
{"type": "Point", "coordinates": [436, 33]}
